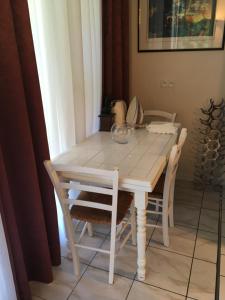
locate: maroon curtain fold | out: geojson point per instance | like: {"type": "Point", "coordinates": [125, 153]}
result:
{"type": "Point", "coordinates": [115, 39]}
{"type": "Point", "coordinates": [26, 195]}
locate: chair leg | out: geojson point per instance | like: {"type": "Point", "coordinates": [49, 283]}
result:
{"type": "Point", "coordinates": [171, 202]}
{"type": "Point", "coordinates": [70, 234]}
{"type": "Point", "coordinates": [165, 230]}
{"type": "Point", "coordinates": [90, 229]}
{"type": "Point", "coordinates": [112, 254]}
{"type": "Point", "coordinates": [133, 224]}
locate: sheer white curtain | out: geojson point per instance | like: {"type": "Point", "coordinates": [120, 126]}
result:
{"type": "Point", "coordinates": [7, 290]}
{"type": "Point", "coordinates": [67, 42]}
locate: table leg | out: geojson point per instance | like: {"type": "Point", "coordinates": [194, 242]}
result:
{"type": "Point", "coordinates": [141, 201]}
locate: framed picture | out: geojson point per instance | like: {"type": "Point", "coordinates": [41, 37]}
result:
{"type": "Point", "coordinates": [178, 25]}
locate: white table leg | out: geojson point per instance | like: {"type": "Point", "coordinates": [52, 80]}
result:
{"type": "Point", "coordinates": [141, 201]}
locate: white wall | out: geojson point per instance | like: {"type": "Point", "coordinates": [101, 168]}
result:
{"type": "Point", "coordinates": [198, 76]}
{"type": "Point", "coordinates": [7, 289]}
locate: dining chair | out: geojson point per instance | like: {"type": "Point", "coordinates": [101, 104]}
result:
{"type": "Point", "coordinates": [99, 202]}
{"type": "Point", "coordinates": [162, 197]}
{"type": "Point", "coordinates": [161, 114]}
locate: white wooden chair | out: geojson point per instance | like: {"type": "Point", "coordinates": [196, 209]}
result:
{"type": "Point", "coordinates": [98, 202]}
{"type": "Point", "coordinates": [160, 114]}
{"type": "Point", "coordinates": [162, 197]}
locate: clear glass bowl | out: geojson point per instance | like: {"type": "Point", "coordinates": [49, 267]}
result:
{"type": "Point", "coordinates": [121, 133]}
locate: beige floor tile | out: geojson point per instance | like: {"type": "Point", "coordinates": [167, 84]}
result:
{"type": "Point", "coordinates": [211, 203]}
{"type": "Point", "coordinates": [64, 274]}
{"type": "Point", "coordinates": [223, 215]}
{"type": "Point", "coordinates": [167, 270]}
{"type": "Point", "coordinates": [85, 255]}
{"type": "Point", "coordinates": [206, 246]}
{"type": "Point", "coordinates": [101, 228]}
{"type": "Point", "coordinates": [143, 291]}
{"type": "Point", "coordinates": [223, 229]}
{"type": "Point", "coordinates": [222, 245]}
{"type": "Point", "coordinates": [222, 288]}
{"type": "Point", "coordinates": [211, 195]}
{"type": "Point", "coordinates": [184, 184]}
{"type": "Point", "coordinates": [182, 240]}
{"type": "Point", "coordinates": [96, 241]}
{"type": "Point", "coordinates": [94, 286]}
{"type": "Point", "coordinates": [97, 228]}
{"type": "Point", "coordinates": [52, 291]}
{"type": "Point", "coordinates": [190, 202]}
{"type": "Point", "coordinates": [222, 265]}
{"type": "Point", "coordinates": [186, 215]}
{"type": "Point", "coordinates": [187, 193]}
{"type": "Point", "coordinates": [188, 196]}
{"type": "Point", "coordinates": [125, 262]}
{"type": "Point", "coordinates": [209, 220]}
{"type": "Point", "coordinates": [202, 281]}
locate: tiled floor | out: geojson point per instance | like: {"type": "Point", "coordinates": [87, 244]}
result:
{"type": "Point", "coordinates": [185, 270]}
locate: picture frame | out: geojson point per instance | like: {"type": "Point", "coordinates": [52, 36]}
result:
{"type": "Point", "coordinates": [181, 25]}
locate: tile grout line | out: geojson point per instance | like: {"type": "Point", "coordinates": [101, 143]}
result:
{"type": "Point", "coordinates": [160, 288]}
{"type": "Point", "coordinates": [148, 284]}
{"type": "Point", "coordinates": [203, 194]}
{"type": "Point", "coordinates": [87, 265]}
{"type": "Point", "coordinates": [193, 227]}
{"type": "Point", "coordinates": [185, 255]}
{"type": "Point", "coordinates": [192, 257]}
{"type": "Point", "coordinates": [115, 273]}
{"type": "Point", "coordinates": [38, 297]}
{"type": "Point", "coordinates": [147, 244]}
{"type": "Point", "coordinates": [105, 236]}
{"type": "Point", "coordinates": [130, 287]}
{"type": "Point", "coordinates": [136, 271]}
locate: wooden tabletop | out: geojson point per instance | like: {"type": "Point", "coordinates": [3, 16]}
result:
{"type": "Point", "coordinates": [140, 161]}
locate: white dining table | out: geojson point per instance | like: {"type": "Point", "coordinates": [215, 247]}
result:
{"type": "Point", "coordinates": [140, 162]}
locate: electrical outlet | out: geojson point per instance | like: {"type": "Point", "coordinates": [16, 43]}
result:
{"type": "Point", "coordinates": [171, 84]}
{"type": "Point", "coordinates": [163, 83]}
{"type": "Point", "coordinates": [167, 83]}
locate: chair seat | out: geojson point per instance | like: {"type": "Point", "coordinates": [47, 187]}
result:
{"type": "Point", "coordinates": [158, 190]}
{"type": "Point", "coordinates": [95, 215]}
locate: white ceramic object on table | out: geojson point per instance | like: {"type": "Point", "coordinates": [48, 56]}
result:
{"type": "Point", "coordinates": [141, 115]}
{"type": "Point", "coordinates": [132, 112]}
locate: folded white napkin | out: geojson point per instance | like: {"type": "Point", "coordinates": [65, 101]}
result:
{"type": "Point", "coordinates": [167, 128]}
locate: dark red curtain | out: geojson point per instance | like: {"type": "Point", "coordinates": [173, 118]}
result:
{"type": "Point", "coordinates": [115, 28]}
{"type": "Point", "coordinates": [26, 196]}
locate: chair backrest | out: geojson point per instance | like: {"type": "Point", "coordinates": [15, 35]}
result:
{"type": "Point", "coordinates": [65, 179]}
{"type": "Point", "coordinates": [173, 163]}
{"type": "Point", "coordinates": [162, 114]}
{"type": "Point", "coordinates": [182, 137]}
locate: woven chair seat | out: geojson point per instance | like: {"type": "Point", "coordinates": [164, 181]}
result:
{"type": "Point", "coordinates": [158, 190]}
{"type": "Point", "coordinates": [95, 215]}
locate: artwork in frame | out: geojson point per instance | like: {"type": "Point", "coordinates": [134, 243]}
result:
{"type": "Point", "coordinates": [178, 25]}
